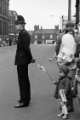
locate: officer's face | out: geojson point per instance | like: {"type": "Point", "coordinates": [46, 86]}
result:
{"type": "Point", "coordinates": [18, 27]}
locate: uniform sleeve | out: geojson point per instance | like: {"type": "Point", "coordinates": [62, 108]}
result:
{"type": "Point", "coordinates": [26, 39]}
{"type": "Point", "coordinates": [27, 48]}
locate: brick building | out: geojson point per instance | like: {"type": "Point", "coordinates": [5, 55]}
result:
{"type": "Point", "coordinates": [41, 35]}
{"type": "Point", "coordinates": [12, 28]}
{"type": "Point", "coordinates": [12, 18]}
{"type": "Point", "coordinates": [4, 8]}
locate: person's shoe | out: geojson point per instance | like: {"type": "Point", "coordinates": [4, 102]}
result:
{"type": "Point", "coordinates": [70, 109]}
{"type": "Point", "coordinates": [20, 105]}
{"type": "Point", "coordinates": [65, 116]}
{"type": "Point", "coordinates": [60, 114]}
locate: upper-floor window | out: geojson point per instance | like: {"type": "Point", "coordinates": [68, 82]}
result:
{"type": "Point", "coordinates": [36, 36]}
{"type": "Point", "coordinates": [51, 36]}
{"type": "Point", "coordinates": [43, 37]}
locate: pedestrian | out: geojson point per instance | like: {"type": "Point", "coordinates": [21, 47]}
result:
{"type": "Point", "coordinates": [22, 59]}
{"type": "Point", "coordinates": [77, 57]}
{"type": "Point", "coordinates": [65, 51]}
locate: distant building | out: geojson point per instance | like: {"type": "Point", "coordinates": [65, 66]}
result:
{"type": "Point", "coordinates": [4, 18]}
{"type": "Point", "coordinates": [36, 27]}
{"type": "Point", "coordinates": [12, 28]}
{"type": "Point", "coordinates": [41, 35]}
{"type": "Point", "coordinates": [12, 18]}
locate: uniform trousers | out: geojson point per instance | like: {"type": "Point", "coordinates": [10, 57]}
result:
{"type": "Point", "coordinates": [24, 83]}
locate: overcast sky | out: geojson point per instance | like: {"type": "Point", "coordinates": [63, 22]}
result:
{"type": "Point", "coordinates": [46, 13]}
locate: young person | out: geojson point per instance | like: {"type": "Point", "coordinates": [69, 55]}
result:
{"type": "Point", "coordinates": [65, 51]}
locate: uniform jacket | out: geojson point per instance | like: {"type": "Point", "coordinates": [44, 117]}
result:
{"type": "Point", "coordinates": [23, 52]}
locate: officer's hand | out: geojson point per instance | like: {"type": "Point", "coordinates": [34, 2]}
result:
{"type": "Point", "coordinates": [33, 60]}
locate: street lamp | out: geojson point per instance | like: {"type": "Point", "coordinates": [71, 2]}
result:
{"type": "Point", "coordinates": [77, 13]}
{"type": "Point", "coordinates": [69, 10]}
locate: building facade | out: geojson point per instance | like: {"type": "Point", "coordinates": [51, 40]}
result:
{"type": "Point", "coordinates": [12, 18]}
{"type": "Point", "coordinates": [4, 10]}
{"type": "Point", "coordinates": [40, 35]}
{"type": "Point", "coordinates": [12, 28]}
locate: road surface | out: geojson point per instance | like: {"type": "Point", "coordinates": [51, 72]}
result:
{"type": "Point", "coordinates": [43, 105]}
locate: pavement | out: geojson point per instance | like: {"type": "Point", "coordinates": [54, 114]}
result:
{"type": "Point", "coordinates": [43, 105]}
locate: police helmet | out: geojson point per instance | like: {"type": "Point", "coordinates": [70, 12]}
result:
{"type": "Point", "coordinates": [20, 20]}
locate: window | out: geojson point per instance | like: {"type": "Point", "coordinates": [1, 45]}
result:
{"type": "Point", "coordinates": [36, 36]}
{"type": "Point", "coordinates": [43, 37]}
{"type": "Point", "coordinates": [51, 36]}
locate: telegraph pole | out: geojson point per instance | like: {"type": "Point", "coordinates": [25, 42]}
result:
{"type": "Point", "coordinates": [69, 10]}
{"type": "Point", "coordinates": [77, 12]}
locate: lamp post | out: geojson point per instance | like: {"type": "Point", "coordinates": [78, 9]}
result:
{"type": "Point", "coordinates": [77, 13]}
{"type": "Point", "coordinates": [69, 10]}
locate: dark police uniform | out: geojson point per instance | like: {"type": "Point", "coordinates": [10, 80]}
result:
{"type": "Point", "coordinates": [22, 60]}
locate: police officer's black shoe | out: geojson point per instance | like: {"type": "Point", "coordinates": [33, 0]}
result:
{"type": "Point", "coordinates": [20, 105]}
{"type": "Point", "coordinates": [33, 60]}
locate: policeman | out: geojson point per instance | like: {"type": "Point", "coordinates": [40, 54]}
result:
{"type": "Point", "coordinates": [22, 59]}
